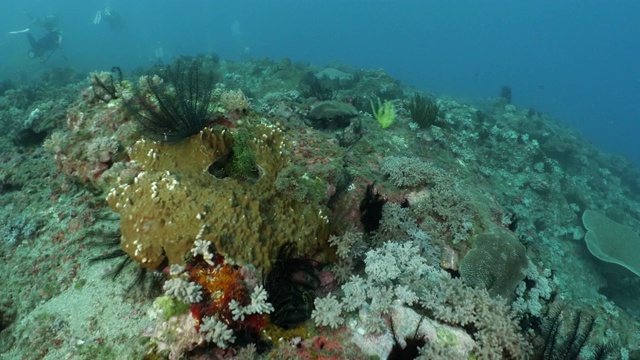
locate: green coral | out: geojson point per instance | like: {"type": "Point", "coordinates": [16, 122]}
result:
{"type": "Point", "coordinates": [169, 307]}
{"type": "Point", "coordinates": [301, 185]}
{"type": "Point", "coordinates": [446, 337]}
{"type": "Point", "coordinates": [243, 162]}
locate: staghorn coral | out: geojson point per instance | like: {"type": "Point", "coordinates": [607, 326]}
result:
{"type": "Point", "coordinates": [171, 203]}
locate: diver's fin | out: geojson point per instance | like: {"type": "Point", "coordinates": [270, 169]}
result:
{"type": "Point", "coordinates": [97, 18]}
{"type": "Point", "coordinates": [19, 31]}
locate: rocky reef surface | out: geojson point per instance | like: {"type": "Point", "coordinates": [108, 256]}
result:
{"type": "Point", "coordinates": [304, 212]}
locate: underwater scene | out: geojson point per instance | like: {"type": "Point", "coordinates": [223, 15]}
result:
{"type": "Point", "coordinates": [199, 205]}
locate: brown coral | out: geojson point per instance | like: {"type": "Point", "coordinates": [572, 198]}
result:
{"type": "Point", "coordinates": [174, 200]}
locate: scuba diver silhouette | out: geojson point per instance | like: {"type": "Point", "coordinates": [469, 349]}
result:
{"type": "Point", "coordinates": [112, 18]}
{"type": "Point", "coordinates": [48, 22]}
{"type": "Point", "coordinates": [43, 48]}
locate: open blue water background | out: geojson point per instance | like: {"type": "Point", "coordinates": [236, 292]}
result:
{"type": "Point", "coordinates": [578, 61]}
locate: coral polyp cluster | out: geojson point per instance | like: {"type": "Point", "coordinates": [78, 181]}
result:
{"type": "Point", "coordinates": [220, 284]}
{"type": "Point", "coordinates": [211, 302]}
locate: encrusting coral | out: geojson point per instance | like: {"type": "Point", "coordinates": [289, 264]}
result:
{"type": "Point", "coordinates": [172, 202]}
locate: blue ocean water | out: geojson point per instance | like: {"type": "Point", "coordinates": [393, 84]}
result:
{"type": "Point", "coordinates": [575, 60]}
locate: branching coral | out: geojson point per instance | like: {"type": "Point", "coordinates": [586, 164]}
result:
{"type": "Point", "coordinates": [183, 290]}
{"type": "Point", "coordinates": [488, 320]}
{"type": "Point", "coordinates": [396, 274]}
{"type": "Point", "coordinates": [327, 311]}
{"type": "Point", "coordinates": [406, 171]}
{"type": "Point", "coordinates": [217, 332]}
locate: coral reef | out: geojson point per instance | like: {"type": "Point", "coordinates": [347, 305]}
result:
{"type": "Point", "coordinates": [264, 223]}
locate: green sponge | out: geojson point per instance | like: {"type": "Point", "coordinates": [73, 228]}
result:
{"type": "Point", "coordinates": [168, 307]}
{"type": "Point", "coordinates": [611, 242]}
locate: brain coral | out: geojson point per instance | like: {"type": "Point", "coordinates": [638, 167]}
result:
{"type": "Point", "coordinates": [174, 200]}
{"type": "Point", "coordinates": [497, 262]}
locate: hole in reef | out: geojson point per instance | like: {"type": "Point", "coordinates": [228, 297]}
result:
{"type": "Point", "coordinates": [228, 166]}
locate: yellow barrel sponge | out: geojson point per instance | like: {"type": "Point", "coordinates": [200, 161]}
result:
{"type": "Point", "coordinates": [174, 200]}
